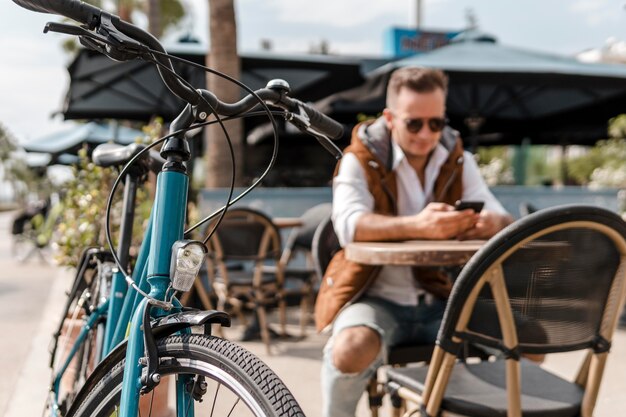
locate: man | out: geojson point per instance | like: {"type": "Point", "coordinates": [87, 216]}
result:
{"type": "Point", "coordinates": [398, 180]}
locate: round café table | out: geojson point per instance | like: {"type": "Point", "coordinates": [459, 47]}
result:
{"type": "Point", "coordinates": [414, 252]}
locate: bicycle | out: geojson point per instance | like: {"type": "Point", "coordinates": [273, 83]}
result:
{"type": "Point", "coordinates": [163, 337]}
{"type": "Point", "coordinates": [32, 230]}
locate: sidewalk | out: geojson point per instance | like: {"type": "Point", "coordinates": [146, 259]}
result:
{"type": "Point", "coordinates": [31, 388]}
{"type": "Point", "coordinates": [296, 362]}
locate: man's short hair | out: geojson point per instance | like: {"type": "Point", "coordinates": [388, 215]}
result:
{"type": "Point", "coordinates": [418, 79]}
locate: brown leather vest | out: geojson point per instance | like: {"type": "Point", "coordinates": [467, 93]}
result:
{"type": "Point", "coordinates": [344, 280]}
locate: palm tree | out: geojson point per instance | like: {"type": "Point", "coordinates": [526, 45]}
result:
{"type": "Point", "coordinates": [154, 18]}
{"type": "Point", "coordinates": [223, 57]}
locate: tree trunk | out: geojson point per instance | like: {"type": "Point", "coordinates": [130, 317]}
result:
{"type": "Point", "coordinates": [124, 10]}
{"type": "Point", "coordinates": [154, 18]}
{"type": "Point", "coordinates": [223, 57]}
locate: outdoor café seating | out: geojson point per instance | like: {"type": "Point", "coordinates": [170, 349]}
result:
{"type": "Point", "coordinates": [301, 278]}
{"type": "Point", "coordinates": [245, 242]}
{"type": "Point", "coordinates": [551, 282]}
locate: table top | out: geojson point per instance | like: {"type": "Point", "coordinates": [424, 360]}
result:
{"type": "Point", "coordinates": [414, 252]}
{"type": "Point", "coordinates": [285, 222]}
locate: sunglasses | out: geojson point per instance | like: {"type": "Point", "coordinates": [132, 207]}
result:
{"type": "Point", "coordinates": [435, 124]}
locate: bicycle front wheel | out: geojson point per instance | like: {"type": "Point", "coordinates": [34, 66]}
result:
{"type": "Point", "coordinates": [225, 379]}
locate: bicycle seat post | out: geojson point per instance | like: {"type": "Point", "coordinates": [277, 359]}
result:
{"type": "Point", "coordinates": [118, 283]}
{"type": "Point", "coordinates": [131, 183]}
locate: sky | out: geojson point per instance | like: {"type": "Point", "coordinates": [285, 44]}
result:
{"type": "Point", "coordinates": [34, 80]}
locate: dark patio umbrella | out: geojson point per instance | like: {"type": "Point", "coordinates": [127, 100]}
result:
{"type": "Point", "coordinates": [132, 90]}
{"type": "Point", "coordinates": [506, 94]}
{"type": "Point", "coordinates": [101, 88]}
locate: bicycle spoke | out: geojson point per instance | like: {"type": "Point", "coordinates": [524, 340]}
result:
{"type": "Point", "coordinates": [217, 390]}
{"type": "Point", "coordinates": [234, 405]}
{"type": "Point", "coordinates": [151, 403]}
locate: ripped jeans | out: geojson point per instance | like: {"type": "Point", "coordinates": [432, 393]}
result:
{"type": "Point", "coordinates": [396, 324]}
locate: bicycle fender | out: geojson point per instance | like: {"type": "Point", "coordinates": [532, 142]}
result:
{"type": "Point", "coordinates": [173, 323]}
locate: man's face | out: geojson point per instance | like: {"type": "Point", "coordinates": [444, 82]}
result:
{"type": "Point", "coordinates": [409, 106]}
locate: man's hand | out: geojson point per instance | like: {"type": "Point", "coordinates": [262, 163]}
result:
{"type": "Point", "coordinates": [435, 221]}
{"type": "Point", "coordinates": [488, 224]}
{"type": "Point", "coordinates": [442, 221]}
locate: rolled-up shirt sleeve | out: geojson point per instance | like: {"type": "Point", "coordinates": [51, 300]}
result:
{"type": "Point", "coordinates": [351, 198]}
{"type": "Point", "coordinates": [475, 188]}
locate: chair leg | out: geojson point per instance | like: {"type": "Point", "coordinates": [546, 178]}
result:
{"type": "Point", "coordinates": [304, 314]}
{"type": "Point", "coordinates": [265, 334]}
{"type": "Point", "coordinates": [306, 307]}
{"type": "Point", "coordinates": [398, 404]}
{"type": "Point", "coordinates": [282, 316]}
{"type": "Point", "coordinates": [204, 298]}
{"type": "Point", "coordinates": [184, 299]}
{"type": "Point", "coordinates": [374, 395]}
{"type": "Point", "coordinates": [596, 369]}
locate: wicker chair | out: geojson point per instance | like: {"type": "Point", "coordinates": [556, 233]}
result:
{"type": "Point", "coordinates": [245, 242]}
{"type": "Point", "coordinates": [551, 282]}
{"type": "Point", "coordinates": [301, 279]}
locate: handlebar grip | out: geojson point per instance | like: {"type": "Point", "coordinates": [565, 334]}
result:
{"type": "Point", "coordinates": [73, 9]}
{"type": "Point", "coordinates": [322, 123]}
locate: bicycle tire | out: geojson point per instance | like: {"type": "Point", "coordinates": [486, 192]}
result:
{"type": "Point", "coordinates": [90, 288]}
{"type": "Point", "coordinates": [225, 363]}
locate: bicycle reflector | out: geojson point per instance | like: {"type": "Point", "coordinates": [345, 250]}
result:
{"type": "Point", "coordinates": [187, 258]}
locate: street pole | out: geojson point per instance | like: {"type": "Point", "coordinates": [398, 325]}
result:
{"type": "Point", "coordinates": [418, 14]}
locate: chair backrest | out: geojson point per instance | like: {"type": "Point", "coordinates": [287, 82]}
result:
{"type": "Point", "coordinates": [246, 234]}
{"type": "Point", "coordinates": [526, 208]}
{"type": "Point", "coordinates": [325, 245]}
{"type": "Point", "coordinates": [551, 282]}
{"type": "Point", "coordinates": [311, 218]}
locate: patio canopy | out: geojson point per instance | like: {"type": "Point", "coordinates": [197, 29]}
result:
{"type": "Point", "coordinates": [503, 94]}
{"type": "Point", "coordinates": [64, 143]}
{"type": "Point", "coordinates": [42, 160]}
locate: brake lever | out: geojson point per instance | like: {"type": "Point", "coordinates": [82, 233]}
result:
{"type": "Point", "coordinates": [326, 143]}
{"type": "Point", "coordinates": [87, 38]}
{"type": "Point", "coordinates": [91, 44]}
{"type": "Point", "coordinates": [67, 29]}
{"type": "Point", "coordinates": [302, 122]}
{"type": "Point", "coordinates": [108, 40]}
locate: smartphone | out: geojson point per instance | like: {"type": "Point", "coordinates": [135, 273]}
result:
{"type": "Point", "coordinates": [477, 206]}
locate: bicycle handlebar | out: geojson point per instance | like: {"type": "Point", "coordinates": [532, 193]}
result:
{"type": "Point", "coordinates": [73, 9]}
{"type": "Point", "coordinates": [121, 40]}
{"type": "Point", "coordinates": [275, 93]}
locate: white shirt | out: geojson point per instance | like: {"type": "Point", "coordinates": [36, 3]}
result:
{"type": "Point", "coordinates": [352, 199]}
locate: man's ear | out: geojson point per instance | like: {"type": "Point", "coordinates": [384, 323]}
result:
{"type": "Point", "coordinates": [388, 117]}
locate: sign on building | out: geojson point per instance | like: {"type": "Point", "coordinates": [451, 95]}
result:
{"type": "Point", "coordinates": [405, 42]}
